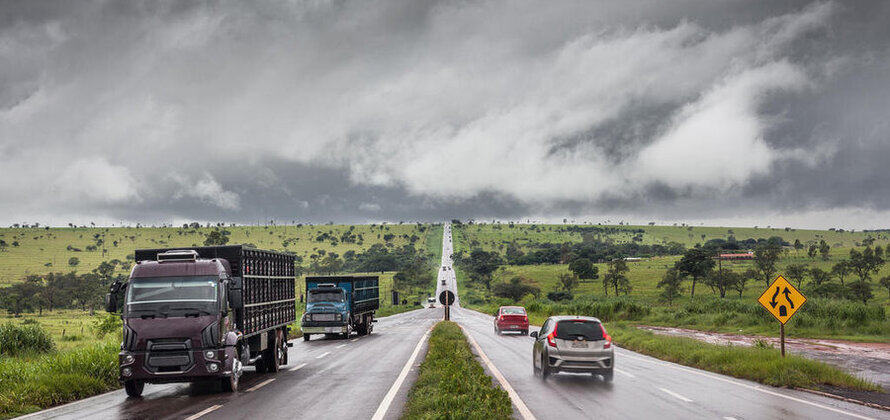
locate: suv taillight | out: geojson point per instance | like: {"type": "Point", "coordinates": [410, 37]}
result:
{"type": "Point", "coordinates": [607, 337]}
{"type": "Point", "coordinates": [552, 336]}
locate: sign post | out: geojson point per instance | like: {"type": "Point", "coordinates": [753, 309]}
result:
{"type": "Point", "coordinates": [781, 300]}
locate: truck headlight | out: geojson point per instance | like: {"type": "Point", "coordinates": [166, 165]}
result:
{"type": "Point", "coordinates": [209, 354]}
{"type": "Point", "coordinates": [129, 359]}
{"type": "Point", "coordinates": [338, 317]}
{"type": "Point", "coordinates": [126, 371]}
{"type": "Point", "coordinates": [212, 367]}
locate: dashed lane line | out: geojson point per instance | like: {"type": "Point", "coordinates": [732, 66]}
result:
{"type": "Point", "coordinates": [523, 409]}
{"type": "Point", "coordinates": [322, 355]}
{"type": "Point", "coordinates": [297, 367]}
{"type": "Point", "coordinates": [354, 340]}
{"type": "Point", "coordinates": [675, 395]}
{"type": "Point", "coordinates": [628, 374]}
{"type": "Point", "coordinates": [260, 385]}
{"type": "Point", "coordinates": [340, 346]}
{"type": "Point", "coordinates": [204, 412]}
{"type": "Point", "coordinates": [387, 400]}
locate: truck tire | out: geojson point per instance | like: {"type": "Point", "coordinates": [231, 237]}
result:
{"type": "Point", "coordinates": [306, 337]}
{"type": "Point", "coordinates": [230, 383]}
{"type": "Point", "coordinates": [348, 330]}
{"type": "Point", "coordinates": [272, 355]}
{"type": "Point", "coordinates": [134, 388]}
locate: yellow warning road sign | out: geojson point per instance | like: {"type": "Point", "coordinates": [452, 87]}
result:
{"type": "Point", "coordinates": [781, 299]}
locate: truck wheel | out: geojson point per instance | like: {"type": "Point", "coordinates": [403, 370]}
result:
{"type": "Point", "coordinates": [230, 384]}
{"type": "Point", "coordinates": [272, 355]}
{"type": "Point", "coordinates": [134, 388]}
{"type": "Point", "coordinates": [348, 330]}
{"type": "Point", "coordinates": [306, 337]}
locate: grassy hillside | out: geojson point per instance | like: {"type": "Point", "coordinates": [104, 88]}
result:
{"type": "Point", "coordinates": [491, 237]}
{"type": "Point", "coordinates": [40, 250]}
{"type": "Point", "coordinates": [733, 314]}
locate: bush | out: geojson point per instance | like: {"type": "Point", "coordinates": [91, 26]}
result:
{"type": "Point", "coordinates": [107, 324]}
{"type": "Point", "coordinates": [560, 296]}
{"type": "Point", "coordinates": [22, 339]}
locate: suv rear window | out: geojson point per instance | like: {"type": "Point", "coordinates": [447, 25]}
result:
{"type": "Point", "coordinates": [513, 311]}
{"type": "Point", "coordinates": [573, 330]}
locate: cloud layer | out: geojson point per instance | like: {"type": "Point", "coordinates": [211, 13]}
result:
{"type": "Point", "coordinates": [352, 111]}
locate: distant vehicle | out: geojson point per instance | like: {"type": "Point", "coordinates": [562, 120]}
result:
{"type": "Point", "coordinates": [511, 318]}
{"type": "Point", "coordinates": [340, 304]}
{"type": "Point", "coordinates": [573, 344]}
{"type": "Point", "coordinates": [443, 282]}
{"type": "Point", "coordinates": [431, 301]}
{"type": "Point", "coordinates": [203, 313]}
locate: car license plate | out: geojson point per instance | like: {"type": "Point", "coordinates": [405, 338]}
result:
{"type": "Point", "coordinates": [332, 329]}
{"type": "Point", "coordinates": [579, 344]}
{"type": "Point", "coordinates": [514, 326]}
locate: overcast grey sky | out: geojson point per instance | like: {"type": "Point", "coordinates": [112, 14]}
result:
{"type": "Point", "coordinates": [700, 111]}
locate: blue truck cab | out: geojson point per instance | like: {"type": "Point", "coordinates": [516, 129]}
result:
{"type": "Point", "coordinates": [339, 305]}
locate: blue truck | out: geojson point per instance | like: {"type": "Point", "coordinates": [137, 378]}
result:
{"type": "Point", "coordinates": [339, 305]}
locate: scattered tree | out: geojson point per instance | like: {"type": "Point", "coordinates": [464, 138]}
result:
{"type": "Point", "coordinates": [671, 285]}
{"type": "Point", "coordinates": [696, 263]}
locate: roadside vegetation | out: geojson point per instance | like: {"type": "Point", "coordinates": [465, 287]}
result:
{"type": "Point", "coordinates": [452, 384]}
{"type": "Point", "coordinates": [34, 375]}
{"type": "Point", "coordinates": [763, 363]}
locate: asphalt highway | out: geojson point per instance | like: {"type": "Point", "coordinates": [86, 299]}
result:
{"type": "Point", "coordinates": [329, 378]}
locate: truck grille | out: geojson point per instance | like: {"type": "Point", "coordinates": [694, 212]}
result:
{"type": "Point", "coordinates": [324, 317]}
{"type": "Point", "coordinates": [169, 355]}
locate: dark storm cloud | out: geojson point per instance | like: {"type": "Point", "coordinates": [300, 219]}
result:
{"type": "Point", "coordinates": [403, 110]}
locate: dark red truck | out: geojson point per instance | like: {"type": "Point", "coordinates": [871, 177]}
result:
{"type": "Point", "coordinates": [203, 313]}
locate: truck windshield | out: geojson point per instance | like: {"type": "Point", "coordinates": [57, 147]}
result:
{"type": "Point", "coordinates": [172, 290]}
{"type": "Point", "coordinates": [326, 296]}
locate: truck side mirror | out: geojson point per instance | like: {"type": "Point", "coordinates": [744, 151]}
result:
{"type": "Point", "coordinates": [234, 296]}
{"type": "Point", "coordinates": [111, 297]}
{"type": "Point", "coordinates": [111, 302]}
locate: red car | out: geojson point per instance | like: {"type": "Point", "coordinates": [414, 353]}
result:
{"type": "Point", "coordinates": [511, 318]}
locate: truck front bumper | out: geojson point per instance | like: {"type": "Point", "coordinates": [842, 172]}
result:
{"type": "Point", "coordinates": [182, 367]}
{"type": "Point", "coordinates": [323, 327]}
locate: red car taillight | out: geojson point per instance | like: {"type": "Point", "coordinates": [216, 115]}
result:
{"type": "Point", "coordinates": [500, 318]}
{"type": "Point", "coordinates": [607, 337]}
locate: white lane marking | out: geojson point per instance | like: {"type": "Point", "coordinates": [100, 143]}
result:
{"type": "Point", "coordinates": [322, 355]}
{"type": "Point", "coordinates": [297, 367]}
{"type": "Point", "coordinates": [730, 418]}
{"type": "Point", "coordinates": [340, 346]}
{"type": "Point", "coordinates": [628, 374]}
{"type": "Point", "coordinates": [387, 400]}
{"type": "Point", "coordinates": [354, 340]}
{"type": "Point", "coordinates": [756, 388]}
{"type": "Point", "coordinates": [523, 409]}
{"type": "Point", "coordinates": [675, 395]}
{"type": "Point", "coordinates": [260, 385]}
{"type": "Point", "coordinates": [206, 411]}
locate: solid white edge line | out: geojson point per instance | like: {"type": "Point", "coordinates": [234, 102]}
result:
{"type": "Point", "coordinates": [260, 385]}
{"type": "Point", "coordinates": [297, 367]}
{"type": "Point", "coordinates": [674, 394]}
{"type": "Point", "coordinates": [756, 388]}
{"type": "Point", "coordinates": [523, 409]}
{"type": "Point", "coordinates": [204, 412]}
{"type": "Point", "coordinates": [340, 346]}
{"type": "Point", "coordinates": [391, 394]}
{"type": "Point", "coordinates": [628, 374]}
{"type": "Point", "coordinates": [322, 355]}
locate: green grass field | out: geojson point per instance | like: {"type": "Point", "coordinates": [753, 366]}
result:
{"type": "Point", "coordinates": [491, 237]}
{"type": "Point", "coordinates": [644, 276]}
{"type": "Point", "coordinates": [41, 251]}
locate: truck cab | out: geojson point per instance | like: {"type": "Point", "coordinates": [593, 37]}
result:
{"type": "Point", "coordinates": [185, 317]}
{"type": "Point", "coordinates": [339, 305]}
